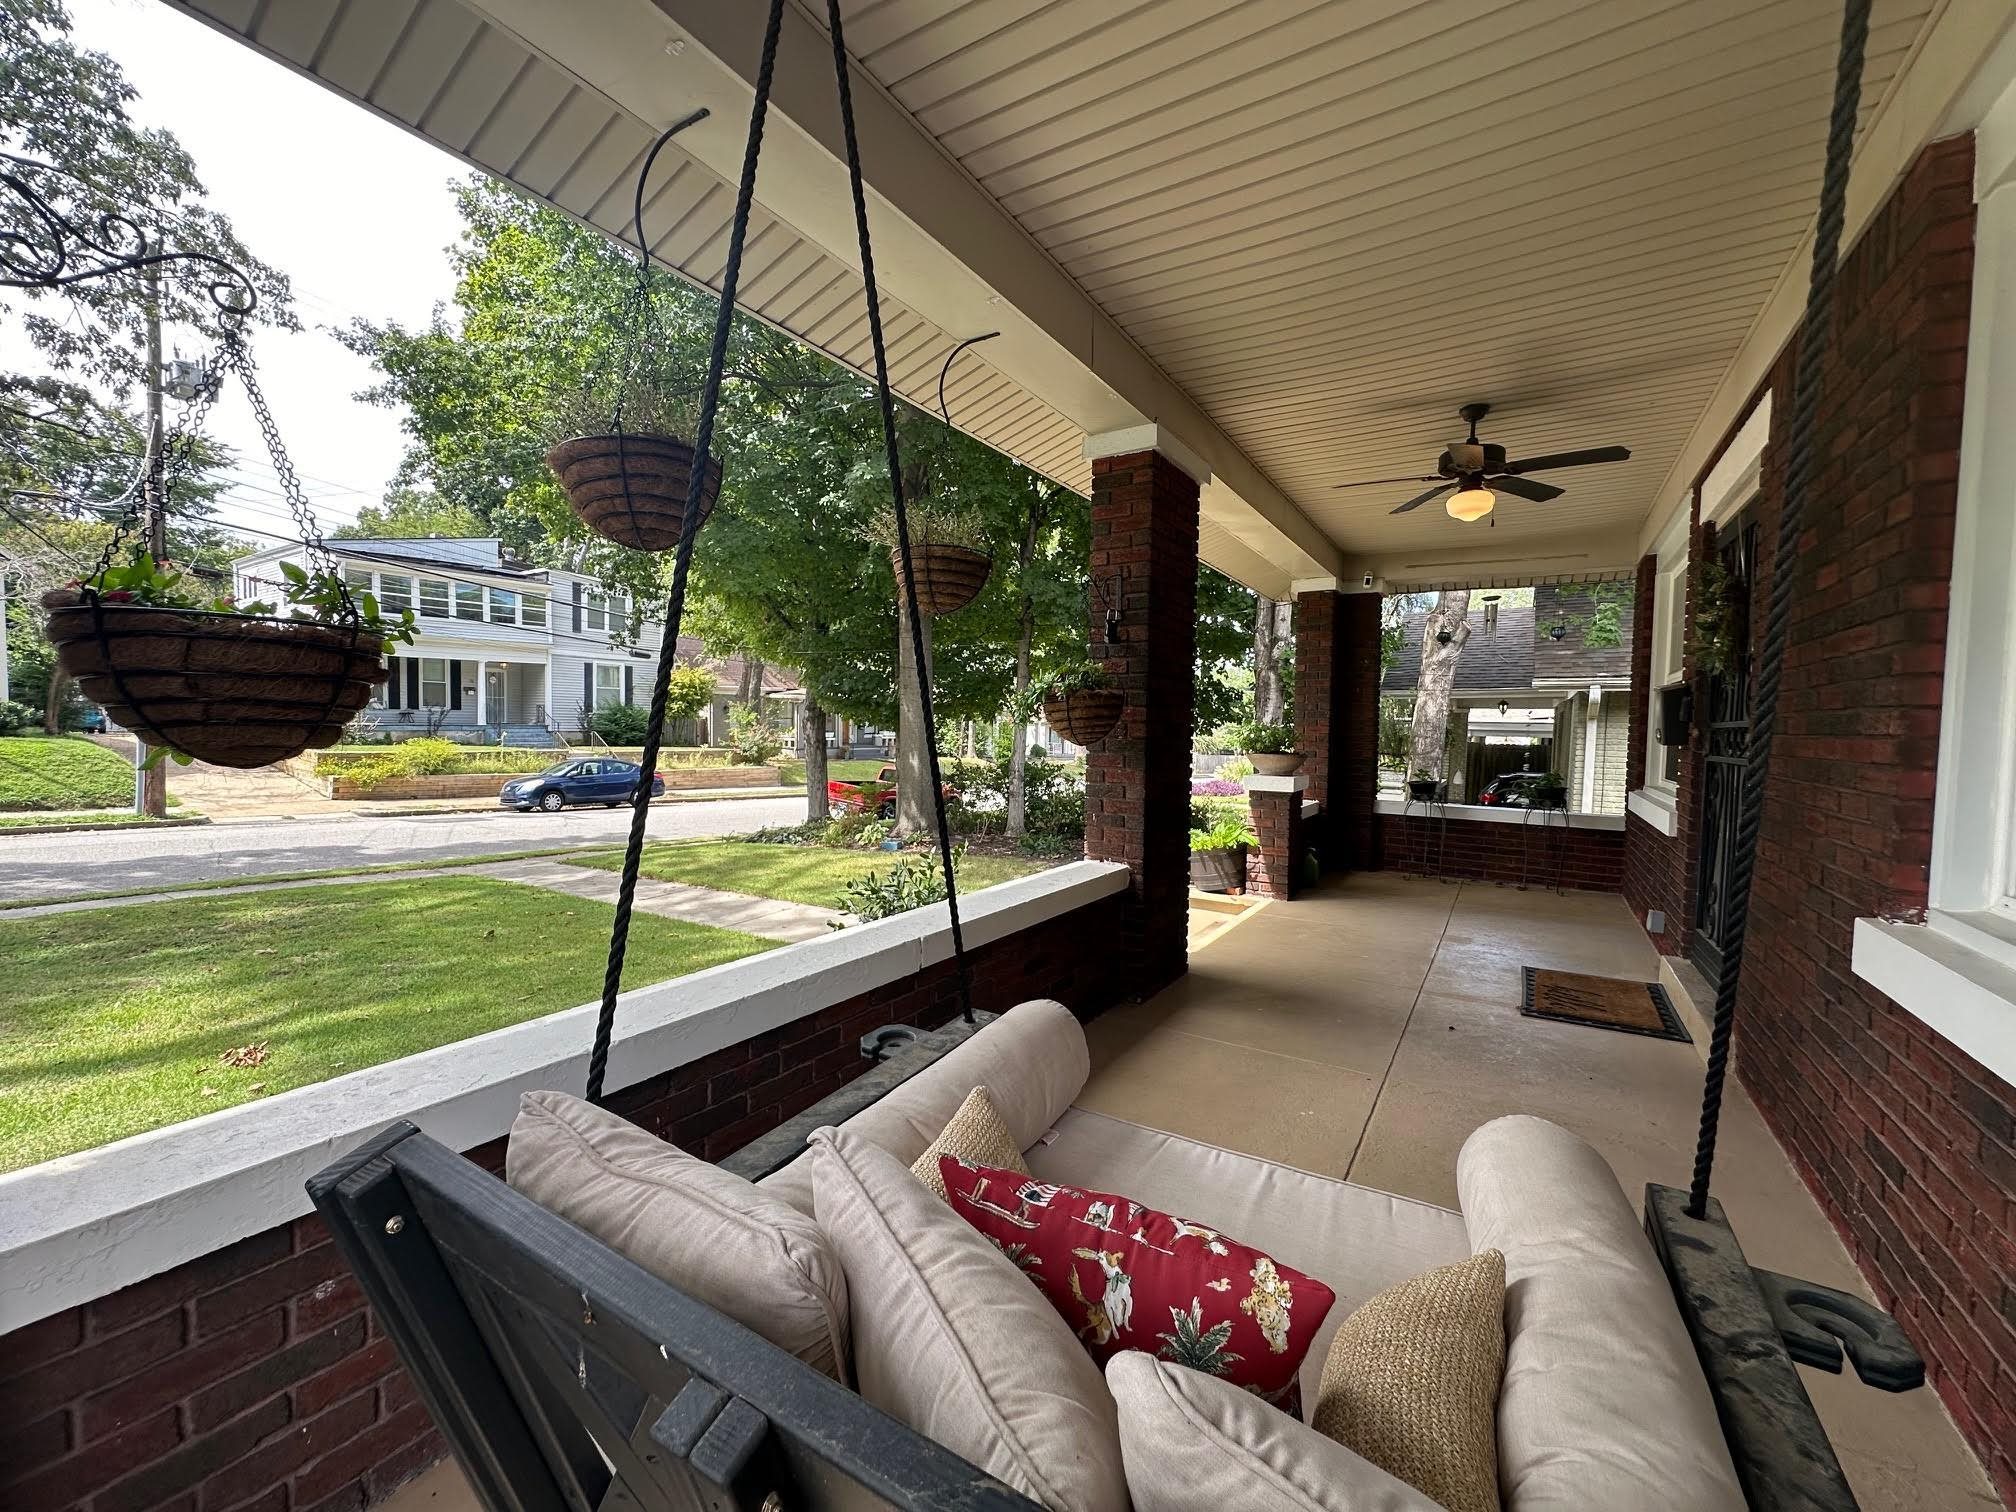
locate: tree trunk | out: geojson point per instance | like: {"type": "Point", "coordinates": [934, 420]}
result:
{"type": "Point", "coordinates": [1426, 750]}
{"type": "Point", "coordinates": [915, 812]}
{"type": "Point", "coordinates": [813, 745]}
{"type": "Point", "coordinates": [1270, 644]}
{"type": "Point", "coordinates": [52, 711]}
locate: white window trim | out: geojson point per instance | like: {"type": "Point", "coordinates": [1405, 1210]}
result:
{"type": "Point", "coordinates": [595, 685]}
{"type": "Point", "coordinates": [1655, 801]}
{"type": "Point", "coordinates": [1955, 970]}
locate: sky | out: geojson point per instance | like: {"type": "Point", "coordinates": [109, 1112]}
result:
{"type": "Point", "coordinates": [354, 210]}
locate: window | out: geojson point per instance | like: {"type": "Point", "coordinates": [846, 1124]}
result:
{"type": "Point", "coordinates": [395, 592]}
{"type": "Point", "coordinates": [434, 598]}
{"type": "Point", "coordinates": [597, 611]}
{"type": "Point", "coordinates": [357, 579]}
{"type": "Point", "coordinates": [433, 682]}
{"type": "Point", "coordinates": [503, 607]}
{"type": "Point", "coordinates": [608, 686]}
{"type": "Point", "coordinates": [469, 601]}
{"type": "Point", "coordinates": [532, 610]}
{"type": "Point", "coordinates": [619, 606]}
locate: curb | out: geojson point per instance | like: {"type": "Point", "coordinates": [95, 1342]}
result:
{"type": "Point", "coordinates": [689, 795]}
{"type": "Point", "coordinates": [73, 829]}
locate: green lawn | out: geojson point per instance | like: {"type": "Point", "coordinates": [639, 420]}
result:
{"type": "Point", "coordinates": [796, 873]}
{"type": "Point", "coordinates": [112, 1021]}
{"type": "Point", "coordinates": [63, 772]}
{"type": "Point", "coordinates": [34, 817]}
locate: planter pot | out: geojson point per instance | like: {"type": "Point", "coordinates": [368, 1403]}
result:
{"type": "Point", "coordinates": [1423, 788]}
{"type": "Point", "coordinates": [1085, 716]}
{"type": "Point", "coordinates": [232, 689]}
{"type": "Point", "coordinates": [948, 577]}
{"type": "Point", "coordinates": [632, 489]}
{"type": "Point", "coordinates": [1275, 764]}
{"type": "Point", "coordinates": [1219, 871]}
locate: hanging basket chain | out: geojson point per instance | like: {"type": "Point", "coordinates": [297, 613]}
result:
{"type": "Point", "coordinates": [903, 544]}
{"type": "Point", "coordinates": [703, 440]}
{"type": "Point", "coordinates": [1807, 382]}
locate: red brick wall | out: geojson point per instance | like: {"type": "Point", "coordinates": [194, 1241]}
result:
{"type": "Point", "coordinates": [1337, 718]}
{"type": "Point", "coordinates": [1137, 781]}
{"type": "Point", "coordinates": [1909, 1145]}
{"type": "Point", "coordinates": [1654, 870]}
{"type": "Point", "coordinates": [256, 1378]}
{"type": "Point", "coordinates": [1481, 850]}
{"type": "Point", "coordinates": [1274, 866]}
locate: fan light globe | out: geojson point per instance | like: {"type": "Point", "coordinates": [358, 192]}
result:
{"type": "Point", "coordinates": [1471, 503]}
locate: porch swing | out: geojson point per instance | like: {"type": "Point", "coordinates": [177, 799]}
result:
{"type": "Point", "coordinates": [565, 1375]}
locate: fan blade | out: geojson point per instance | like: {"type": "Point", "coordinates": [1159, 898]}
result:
{"type": "Point", "coordinates": [1388, 482]}
{"type": "Point", "coordinates": [1419, 499]}
{"type": "Point", "coordinates": [1525, 488]}
{"type": "Point", "coordinates": [1570, 459]}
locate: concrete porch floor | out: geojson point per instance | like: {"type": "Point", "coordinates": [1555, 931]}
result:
{"type": "Point", "coordinates": [1381, 1015]}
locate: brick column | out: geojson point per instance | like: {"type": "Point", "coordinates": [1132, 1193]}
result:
{"type": "Point", "coordinates": [1273, 868]}
{"type": "Point", "coordinates": [1137, 783]}
{"type": "Point", "coordinates": [1337, 718]}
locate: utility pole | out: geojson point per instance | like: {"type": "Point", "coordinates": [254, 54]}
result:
{"type": "Point", "coordinates": [151, 784]}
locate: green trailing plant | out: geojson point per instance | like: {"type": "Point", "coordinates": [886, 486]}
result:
{"type": "Point", "coordinates": [1260, 738]}
{"type": "Point", "coordinates": [1225, 832]}
{"type": "Point", "coordinates": [318, 597]}
{"type": "Point", "coordinates": [1717, 619]}
{"type": "Point", "coordinates": [932, 522]}
{"type": "Point", "coordinates": [1077, 677]}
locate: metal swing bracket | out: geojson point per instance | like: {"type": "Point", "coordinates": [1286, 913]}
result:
{"type": "Point", "coordinates": [1751, 1329]}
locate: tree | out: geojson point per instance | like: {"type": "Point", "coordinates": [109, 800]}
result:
{"type": "Point", "coordinates": [1273, 643]}
{"type": "Point", "coordinates": [1224, 681]}
{"type": "Point", "coordinates": [1451, 618]}
{"type": "Point", "coordinates": [412, 512]}
{"type": "Point", "coordinates": [68, 107]}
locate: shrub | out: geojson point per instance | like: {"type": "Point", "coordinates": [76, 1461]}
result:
{"type": "Point", "coordinates": [429, 757]}
{"type": "Point", "coordinates": [1038, 753]}
{"type": "Point", "coordinates": [687, 693]}
{"type": "Point", "coordinates": [1235, 769]}
{"type": "Point", "coordinates": [752, 737]}
{"type": "Point", "coordinates": [17, 718]}
{"type": "Point", "coordinates": [621, 724]}
{"type": "Point", "coordinates": [1217, 787]}
{"type": "Point", "coordinates": [911, 882]}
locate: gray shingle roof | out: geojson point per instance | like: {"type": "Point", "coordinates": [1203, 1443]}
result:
{"type": "Point", "coordinates": [1501, 658]}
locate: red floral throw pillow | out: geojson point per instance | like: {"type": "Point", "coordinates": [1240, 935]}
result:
{"type": "Point", "coordinates": [1127, 1277]}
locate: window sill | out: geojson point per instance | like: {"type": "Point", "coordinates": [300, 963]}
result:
{"type": "Point", "coordinates": [1656, 808]}
{"type": "Point", "coordinates": [1492, 813]}
{"type": "Point", "coordinates": [1964, 994]}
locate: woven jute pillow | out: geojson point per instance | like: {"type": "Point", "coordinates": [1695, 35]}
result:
{"type": "Point", "coordinates": [1411, 1382]}
{"type": "Point", "coordinates": [977, 1135]}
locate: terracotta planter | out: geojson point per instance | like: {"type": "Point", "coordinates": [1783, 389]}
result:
{"type": "Point", "coordinates": [1085, 716]}
{"type": "Point", "coordinates": [1219, 871]}
{"type": "Point", "coordinates": [232, 689]}
{"type": "Point", "coordinates": [948, 577]}
{"type": "Point", "coordinates": [1275, 763]}
{"type": "Point", "coordinates": [631, 489]}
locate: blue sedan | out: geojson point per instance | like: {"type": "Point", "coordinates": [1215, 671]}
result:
{"type": "Point", "coordinates": [586, 779]}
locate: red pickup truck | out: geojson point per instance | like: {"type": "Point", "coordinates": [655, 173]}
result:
{"type": "Point", "coordinates": [877, 796]}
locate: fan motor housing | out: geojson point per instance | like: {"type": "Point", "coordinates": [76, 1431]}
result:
{"type": "Point", "coordinates": [1471, 457]}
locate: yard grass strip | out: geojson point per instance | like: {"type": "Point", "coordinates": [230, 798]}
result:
{"type": "Point", "coordinates": [812, 874]}
{"type": "Point", "coordinates": [61, 772]}
{"type": "Point", "coordinates": [115, 1022]}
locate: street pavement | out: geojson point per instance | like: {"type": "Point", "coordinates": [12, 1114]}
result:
{"type": "Point", "coordinates": [55, 865]}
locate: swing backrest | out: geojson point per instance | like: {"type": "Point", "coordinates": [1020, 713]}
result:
{"type": "Point", "coordinates": [567, 1379]}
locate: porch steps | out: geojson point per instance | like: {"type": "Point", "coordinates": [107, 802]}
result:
{"type": "Point", "coordinates": [525, 735]}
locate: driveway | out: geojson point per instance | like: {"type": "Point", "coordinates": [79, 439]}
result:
{"type": "Point", "coordinates": [53, 865]}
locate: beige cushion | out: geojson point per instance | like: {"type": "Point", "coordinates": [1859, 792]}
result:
{"type": "Point", "coordinates": [1412, 1382]}
{"type": "Point", "coordinates": [1603, 1403]}
{"type": "Point", "coordinates": [715, 1236]}
{"type": "Point", "coordinates": [1354, 1239]}
{"type": "Point", "coordinates": [1192, 1443]}
{"type": "Point", "coordinates": [950, 1338]}
{"type": "Point", "coordinates": [975, 1135]}
{"type": "Point", "coordinates": [1032, 1060]}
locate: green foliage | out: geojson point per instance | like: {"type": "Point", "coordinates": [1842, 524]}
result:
{"type": "Point", "coordinates": [932, 521]}
{"type": "Point", "coordinates": [1076, 677]}
{"type": "Point", "coordinates": [413, 512]}
{"type": "Point", "coordinates": [621, 724]}
{"type": "Point", "coordinates": [1263, 739]}
{"type": "Point", "coordinates": [752, 737]}
{"type": "Point", "coordinates": [1236, 770]}
{"type": "Point", "coordinates": [1224, 655]}
{"type": "Point", "coordinates": [688, 691]}
{"type": "Point", "coordinates": [37, 772]}
{"type": "Point", "coordinates": [912, 882]}
{"type": "Point", "coordinates": [1717, 618]}
{"type": "Point", "coordinates": [17, 718]}
{"type": "Point", "coordinates": [1053, 796]}
{"type": "Point", "coordinates": [320, 596]}
{"type": "Point", "coordinates": [1396, 730]}
{"type": "Point", "coordinates": [1224, 832]}
{"type": "Point", "coordinates": [426, 757]}
{"type": "Point", "coordinates": [1603, 618]}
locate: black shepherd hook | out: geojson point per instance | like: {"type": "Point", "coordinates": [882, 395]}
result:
{"type": "Point", "coordinates": [951, 357]}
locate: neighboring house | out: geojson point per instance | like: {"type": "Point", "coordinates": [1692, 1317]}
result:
{"type": "Point", "coordinates": [1566, 705]}
{"type": "Point", "coordinates": [517, 650]}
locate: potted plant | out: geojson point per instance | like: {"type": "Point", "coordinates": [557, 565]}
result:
{"type": "Point", "coordinates": [1422, 785]}
{"type": "Point", "coordinates": [1270, 747]}
{"type": "Point", "coordinates": [202, 677]}
{"type": "Point", "coordinates": [1716, 628]}
{"type": "Point", "coordinates": [947, 549]}
{"type": "Point", "coordinates": [623, 465]}
{"type": "Point", "coordinates": [1080, 704]}
{"type": "Point", "coordinates": [1218, 854]}
{"type": "Point", "coordinates": [1551, 792]}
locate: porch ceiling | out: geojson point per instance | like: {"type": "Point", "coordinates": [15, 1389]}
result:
{"type": "Point", "coordinates": [1296, 233]}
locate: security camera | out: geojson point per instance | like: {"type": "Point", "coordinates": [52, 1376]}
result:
{"type": "Point", "coordinates": [1368, 580]}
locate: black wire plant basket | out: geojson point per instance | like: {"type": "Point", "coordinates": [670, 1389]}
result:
{"type": "Point", "coordinates": [631, 487]}
{"type": "Point", "coordinates": [1084, 716]}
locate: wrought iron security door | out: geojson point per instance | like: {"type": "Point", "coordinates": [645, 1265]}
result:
{"type": "Point", "coordinates": [1726, 736]}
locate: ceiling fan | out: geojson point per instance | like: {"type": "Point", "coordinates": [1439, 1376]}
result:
{"type": "Point", "coordinates": [1477, 472]}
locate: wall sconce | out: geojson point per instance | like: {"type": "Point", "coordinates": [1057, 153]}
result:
{"type": "Point", "coordinates": [1504, 708]}
{"type": "Point", "coordinates": [1557, 632]}
{"type": "Point", "coordinates": [1109, 603]}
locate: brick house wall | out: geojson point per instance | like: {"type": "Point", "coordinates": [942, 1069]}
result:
{"type": "Point", "coordinates": [256, 1378]}
{"type": "Point", "coordinates": [1909, 1145]}
{"type": "Point", "coordinates": [1274, 866]}
{"type": "Point", "coordinates": [1654, 873]}
{"type": "Point", "coordinates": [1337, 719]}
{"type": "Point", "coordinates": [1480, 850]}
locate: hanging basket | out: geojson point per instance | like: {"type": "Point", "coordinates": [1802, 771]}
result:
{"type": "Point", "coordinates": [235, 690]}
{"type": "Point", "coordinates": [1084, 716]}
{"type": "Point", "coordinates": [948, 577]}
{"type": "Point", "coordinates": [631, 489]}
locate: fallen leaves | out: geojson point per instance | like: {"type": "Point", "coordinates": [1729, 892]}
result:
{"type": "Point", "coordinates": [246, 1055]}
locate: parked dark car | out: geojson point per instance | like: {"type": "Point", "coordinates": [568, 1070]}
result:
{"type": "Point", "coordinates": [579, 779]}
{"type": "Point", "coordinates": [1533, 790]}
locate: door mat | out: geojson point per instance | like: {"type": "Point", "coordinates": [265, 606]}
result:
{"type": "Point", "coordinates": [1602, 1002]}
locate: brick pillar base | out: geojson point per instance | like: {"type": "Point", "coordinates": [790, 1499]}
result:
{"type": "Point", "coordinates": [1274, 867]}
{"type": "Point", "coordinates": [1137, 783]}
{"type": "Point", "coordinates": [1337, 719]}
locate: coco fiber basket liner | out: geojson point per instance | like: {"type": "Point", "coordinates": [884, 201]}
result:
{"type": "Point", "coordinates": [1085, 716]}
{"type": "Point", "coordinates": [631, 489]}
{"type": "Point", "coordinates": [232, 689]}
{"type": "Point", "coordinates": [948, 577]}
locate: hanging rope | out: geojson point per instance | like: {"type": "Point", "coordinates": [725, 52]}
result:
{"type": "Point", "coordinates": [888, 405]}
{"type": "Point", "coordinates": [675, 604]}
{"type": "Point", "coordinates": [1813, 332]}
